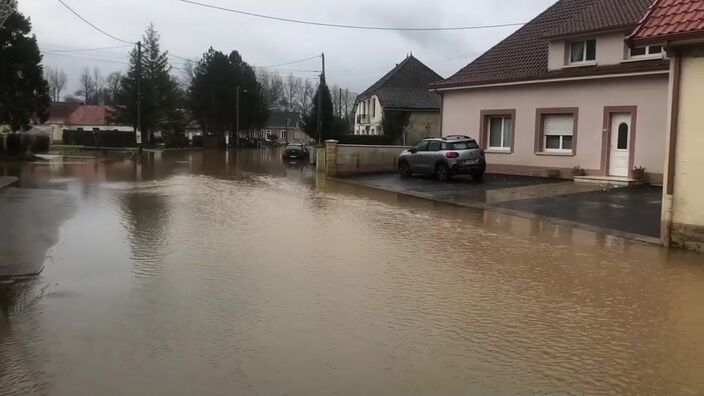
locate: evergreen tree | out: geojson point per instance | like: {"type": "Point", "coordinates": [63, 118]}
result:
{"type": "Point", "coordinates": [24, 93]}
{"type": "Point", "coordinates": [310, 121]}
{"type": "Point", "coordinates": [158, 88]}
{"type": "Point", "coordinates": [213, 93]}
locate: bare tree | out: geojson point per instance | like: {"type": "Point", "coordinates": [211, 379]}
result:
{"type": "Point", "coordinates": [291, 89]}
{"type": "Point", "coordinates": [304, 100]}
{"type": "Point", "coordinates": [273, 87]}
{"type": "Point", "coordinates": [99, 87]}
{"type": "Point", "coordinates": [113, 84]}
{"type": "Point", "coordinates": [57, 82]}
{"type": "Point", "coordinates": [87, 84]}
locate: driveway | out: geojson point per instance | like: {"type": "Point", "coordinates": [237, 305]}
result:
{"type": "Point", "coordinates": [633, 210]}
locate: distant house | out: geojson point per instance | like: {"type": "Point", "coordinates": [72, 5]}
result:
{"type": "Point", "coordinates": [679, 24]}
{"type": "Point", "coordinates": [404, 89]}
{"type": "Point", "coordinates": [282, 127]}
{"type": "Point", "coordinates": [565, 90]}
{"type": "Point", "coordinates": [193, 129]}
{"type": "Point", "coordinates": [79, 117]}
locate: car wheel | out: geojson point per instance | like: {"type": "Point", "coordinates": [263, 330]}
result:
{"type": "Point", "coordinates": [442, 172]}
{"type": "Point", "coordinates": [404, 169]}
{"type": "Point", "coordinates": [477, 175]}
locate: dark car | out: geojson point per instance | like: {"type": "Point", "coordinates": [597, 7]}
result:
{"type": "Point", "coordinates": [295, 152]}
{"type": "Point", "coordinates": [444, 157]}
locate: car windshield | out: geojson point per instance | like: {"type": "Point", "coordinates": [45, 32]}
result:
{"type": "Point", "coordinates": [466, 145]}
{"type": "Point", "coordinates": [294, 147]}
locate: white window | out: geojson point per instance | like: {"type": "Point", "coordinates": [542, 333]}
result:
{"type": "Point", "coordinates": [648, 51]}
{"type": "Point", "coordinates": [499, 130]}
{"type": "Point", "coordinates": [283, 134]}
{"type": "Point", "coordinates": [373, 107]}
{"type": "Point", "coordinates": [583, 51]}
{"type": "Point", "coordinates": [558, 132]}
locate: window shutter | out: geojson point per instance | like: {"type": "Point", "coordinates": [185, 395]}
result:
{"type": "Point", "coordinates": [558, 125]}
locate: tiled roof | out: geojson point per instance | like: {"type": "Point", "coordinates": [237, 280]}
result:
{"type": "Point", "coordinates": [60, 111]}
{"type": "Point", "coordinates": [91, 115]}
{"type": "Point", "coordinates": [604, 15]}
{"type": "Point", "coordinates": [524, 54]}
{"type": "Point", "coordinates": [283, 119]}
{"type": "Point", "coordinates": [406, 87]}
{"type": "Point", "coordinates": [672, 19]}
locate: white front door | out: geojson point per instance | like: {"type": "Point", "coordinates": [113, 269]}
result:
{"type": "Point", "coordinates": [620, 150]}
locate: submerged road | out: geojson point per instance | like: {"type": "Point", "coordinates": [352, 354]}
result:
{"type": "Point", "coordinates": [212, 273]}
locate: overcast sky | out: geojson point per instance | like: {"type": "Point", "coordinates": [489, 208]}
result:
{"type": "Point", "coordinates": [355, 59]}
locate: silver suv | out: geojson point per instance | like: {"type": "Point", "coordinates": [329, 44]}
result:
{"type": "Point", "coordinates": [444, 157]}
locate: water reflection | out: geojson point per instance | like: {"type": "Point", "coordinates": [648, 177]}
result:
{"type": "Point", "coordinates": [235, 273]}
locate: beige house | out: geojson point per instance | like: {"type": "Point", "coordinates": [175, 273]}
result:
{"type": "Point", "coordinates": [680, 24]}
{"type": "Point", "coordinates": [566, 91]}
{"type": "Point", "coordinates": [404, 89]}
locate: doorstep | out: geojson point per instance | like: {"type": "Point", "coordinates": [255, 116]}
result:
{"type": "Point", "coordinates": [621, 181]}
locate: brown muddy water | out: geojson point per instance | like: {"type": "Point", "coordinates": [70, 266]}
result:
{"type": "Point", "coordinates": [206, 273]}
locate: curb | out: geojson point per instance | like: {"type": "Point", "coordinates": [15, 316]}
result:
{"type": "Point", "coordinates": [526, 215]}
{"type": "Point", "coordinates": [7, 181]}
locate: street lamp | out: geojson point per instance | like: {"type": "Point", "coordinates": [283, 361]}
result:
{"type": "Point", "coordinates": [237, 115]}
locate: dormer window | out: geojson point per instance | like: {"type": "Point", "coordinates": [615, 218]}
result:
{"type": "Point", "coordinates": [648, 51]}
{"type": "Point", "coordinates": [583, 51]}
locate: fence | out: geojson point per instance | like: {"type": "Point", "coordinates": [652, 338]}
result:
{"type": "Point", "coordinates": [104, 139]}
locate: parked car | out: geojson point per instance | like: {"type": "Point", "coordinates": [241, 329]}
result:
{"type": "Point", "coordinates": [295, 152]}
{"type": "Point", "coordinates": [444, 157]}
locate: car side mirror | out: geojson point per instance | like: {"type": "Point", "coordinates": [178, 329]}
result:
{"type": "Point", "coordinates": [412, 150]}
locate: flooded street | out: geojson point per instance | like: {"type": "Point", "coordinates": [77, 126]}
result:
{"type": "Point", "coordinates": [210, 273]}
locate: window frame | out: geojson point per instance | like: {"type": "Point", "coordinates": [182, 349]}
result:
{"type": "Point", "coordinates": [648, 54]}
{"type": "Point", "coordinates": [484, 138]}
{"type": "Point", "coordinates": [585, 52]}
{"type": "Point", "coordinates": [541, 139]}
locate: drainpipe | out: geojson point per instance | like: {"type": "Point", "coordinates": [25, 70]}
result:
{"type": "Point", "coordinates": [669, 187]}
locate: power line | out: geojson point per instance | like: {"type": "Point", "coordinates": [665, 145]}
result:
{"type": "Point", "coordinates": [341, 26]}
{"type": "Point", "coordinates": [289, 63]}
{"type": "Point", "coordinates": [93, 26]}
{"type": "Point", "coordinates": [52, 51]}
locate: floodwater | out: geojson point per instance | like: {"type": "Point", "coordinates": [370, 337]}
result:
{"type": "Point", "coordinates": [231, 274]}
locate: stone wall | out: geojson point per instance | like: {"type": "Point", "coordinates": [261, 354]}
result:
{"type": "Point", "coordinates": [350, 159]}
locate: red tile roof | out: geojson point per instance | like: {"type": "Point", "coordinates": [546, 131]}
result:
{"type": "Point", "coordinates": [60, 111]}
{"type": "Point", "coordinates": [523, 55]}
{"type": "Point", "coordinates": [91, 115]}
{"type": "Point", "coordinates": [671, 19]}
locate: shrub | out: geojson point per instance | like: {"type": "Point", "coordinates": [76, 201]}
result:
{"type": "Point", "coordinates": [16, 143]}
{"type": "Point", "coordinates": [578, 171]}
{"type": "Point", "coordinates": [371, 140]}
{"type": "Point", "coordinates": [39, 143]}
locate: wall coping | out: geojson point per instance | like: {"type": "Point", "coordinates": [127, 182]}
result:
{"type": "Point", "coordinates": [372, 146]}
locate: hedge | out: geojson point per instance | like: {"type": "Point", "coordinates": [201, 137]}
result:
{"type": "Point", "coordinates": [18, 143]}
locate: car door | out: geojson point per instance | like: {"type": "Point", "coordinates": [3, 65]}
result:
{"type": "Point", "coordinates": [430, 156]}
{"type": "Point", "coordinates": [415, 159]}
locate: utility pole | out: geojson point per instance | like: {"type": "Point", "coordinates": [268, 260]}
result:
{"type": "Point", "coordinates": [237, 116]}
{"type": "Point", "coordinates": [320, 102]}
{"type": "Point", "coordinates": [139, 95]}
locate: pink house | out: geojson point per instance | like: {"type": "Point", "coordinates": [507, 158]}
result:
{"type": "Point", "coordinates": [567, 91]}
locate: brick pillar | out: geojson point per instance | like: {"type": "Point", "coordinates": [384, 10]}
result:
{"type": "Point", "coordinates": [331, 158]}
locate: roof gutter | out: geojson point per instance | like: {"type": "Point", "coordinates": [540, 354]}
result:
{"type": "Point", "coordinates": [551, 80]}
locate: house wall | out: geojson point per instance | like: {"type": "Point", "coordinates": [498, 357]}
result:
{"type": "Point", "coordinates": [610, 50]}
{"type": "Point", "coordinates": [687, 207]}
{"type": "Point", "coordinates": [462, 115]}
{"type": "Point", "coordinates": [423, 124]}
{"type": "Point", "coordinates": [364, 108]}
